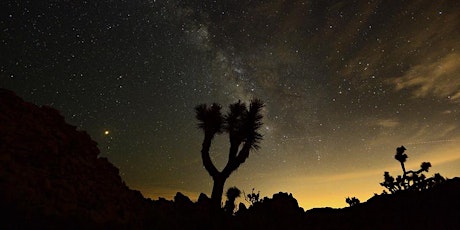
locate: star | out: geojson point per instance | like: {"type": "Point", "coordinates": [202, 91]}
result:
{"type": "Point", "coordinates": [142, 66]}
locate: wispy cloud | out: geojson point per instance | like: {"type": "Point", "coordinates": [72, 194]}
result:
{"type": "Point", "coordinates": [387, 123]}
{"type": "Point", "coordinates": [440, 78]}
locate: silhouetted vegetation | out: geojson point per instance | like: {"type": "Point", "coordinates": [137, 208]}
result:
{"type": "Point", "coordinates": [232, 194]}
{"type": "Point", "coordinates": [242, 124]}
{"type": "Point", "coordinates": [352, 201]}
{"type": "Point", "coordinates": [252, 197]}
{"type": "Point", "coordinates": [410, 180]}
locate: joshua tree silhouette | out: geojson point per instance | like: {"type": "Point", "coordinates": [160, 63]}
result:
{"type": "Point", "coordinates": [242, 125]}
{"type": "Point", "coordinates": [410, 180]}
{"type": "Point", "coordinates": [252, 197]}
{"type": "Point", "coordinates": [401, 157]}
{"type": "Point", "coordinates": [425, 166]}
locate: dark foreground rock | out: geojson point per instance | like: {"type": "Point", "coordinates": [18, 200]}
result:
{"type": "Point", "coordinates": [437, 208]}
{"type": "Point", "coordinates": [52, 177]}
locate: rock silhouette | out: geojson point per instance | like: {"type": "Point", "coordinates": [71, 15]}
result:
{"type": "Point", "coordinates": [51, 174]}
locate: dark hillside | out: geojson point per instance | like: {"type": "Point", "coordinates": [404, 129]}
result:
{"type": "Point", "coordinates": [437, 208]}
{"type": "Point", "coordinates": [51, 174]}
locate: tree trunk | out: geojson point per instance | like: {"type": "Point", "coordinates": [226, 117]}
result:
{"type": "Point", "coordinates": [403, 168]}
{"type": "Point", "coordinates": [404, 178]}
{"type": "Point", "coordinates": [218, 190]}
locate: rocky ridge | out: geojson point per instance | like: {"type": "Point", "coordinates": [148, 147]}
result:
{"type": "Point", "coordinates": [52, 174]}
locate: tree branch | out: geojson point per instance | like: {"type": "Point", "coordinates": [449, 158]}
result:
{"type": "Point", "coordinates": [233, 164]}
{"type": "Point", "coordinates": [207, 162]}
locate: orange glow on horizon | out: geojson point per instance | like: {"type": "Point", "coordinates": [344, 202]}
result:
{"type": "Point", "coordinates": [330, 190]}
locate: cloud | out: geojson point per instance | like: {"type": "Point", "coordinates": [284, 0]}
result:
{"type": "Point", "coordinates": [439, 79]}
{"type": "Point", "coordinates": [387, 123]}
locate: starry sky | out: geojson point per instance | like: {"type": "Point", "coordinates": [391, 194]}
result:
{"type": "Point", "coordinates": [344, 83]}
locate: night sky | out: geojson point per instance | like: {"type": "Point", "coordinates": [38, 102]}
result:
{"type": "Point", "coordinates": [344, 82]}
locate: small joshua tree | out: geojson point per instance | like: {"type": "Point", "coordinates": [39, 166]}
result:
{"type": "Point", "coordinates": [352, 201]}
{"type": "Point", "coordinates": [389, 182]}
{"type": "Point", "coordinates": [401, 157]}
{"type": "Point", "coordinates": [252, 197]}
{"type": "Point", "coordinates": [410, 180]}
{"type": "Point", "coordinates": [232, 194]}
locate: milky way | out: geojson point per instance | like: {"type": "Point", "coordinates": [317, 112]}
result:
{"type": "Point", "coordinates": [344, 82]}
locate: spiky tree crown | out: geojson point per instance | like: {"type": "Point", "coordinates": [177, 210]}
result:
{"type": "Point", "coordinates": [400, 155]}
{"type": "Point", "coordinates": [253, 123]}
{"type": "Point", "coordinates": [241, 123]}
{"type": "Point", "coordinates": [233, 193]}
{"type": "Point", "coordinates": [210, 118]}
{"type": "Point", "coordinates": [425, 166]}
